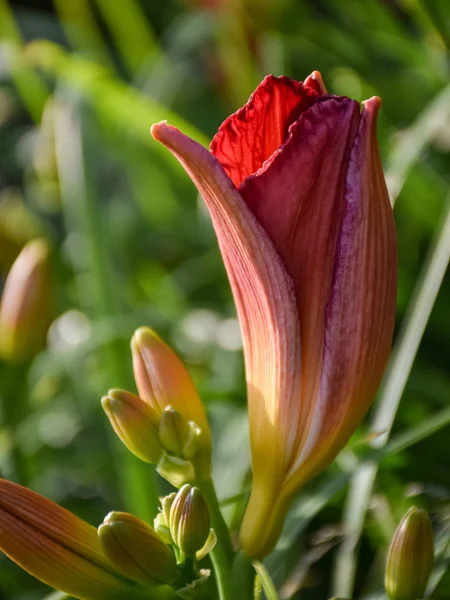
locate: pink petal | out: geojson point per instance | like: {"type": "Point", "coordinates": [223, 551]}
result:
{"type": "Point", "coordinates": [299, 202]}
{"type": "Point", "coordinates": [360, 310]}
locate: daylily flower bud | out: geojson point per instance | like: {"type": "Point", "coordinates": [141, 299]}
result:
{"type": "Point", "coordinates": [296, 193]}
{"type": "Point", "coordinates": [166, 505]}
{"type": "Point", "coordinates": [136, 550]}
{"type": "Point", "coordinates": [410, 557]}
{"type": "Point", "coordinates": [162, 380]}
{"type": "Point", "coordinates": [135, 423]}
{"type": "Point", "coordinates": [162, 529]}
{"type": "Point", "coordinates": [55, 546]}
{"type": "Point", "coordinates": [162, 520]}
{"type": "Point", "coordinates": [189, 520]}
{"type": "Point", "coordinates": [177, 435]}
{"type": "Point", "coordinates": [25, 310]}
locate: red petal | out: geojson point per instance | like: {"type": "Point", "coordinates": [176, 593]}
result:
{"type": "Point", "coordinates": [251, 135]}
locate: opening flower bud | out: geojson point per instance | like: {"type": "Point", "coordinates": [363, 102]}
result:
{"type": "Point", "coordinates": [410, 557]}
{"type": "Point", "coordinates": [136, 550]}
{"type": "Point", "coordinates": [178, 435]}
{"type": "Point", "coordinates": [135, 423]}
{"type": "Point", "coordinates": [162, 381]}
{"type": "Point", "coordinates": [189, 520]}
{"type": "Point", "coordinates": [25, 311]}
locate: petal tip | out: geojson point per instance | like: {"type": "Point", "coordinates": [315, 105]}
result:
{"type": "Point", "coordinates": [315, 81]}
{"type": "Point", "coordinates": [157, 130]}
{"type": "Point", "coordinates": [372, 105]}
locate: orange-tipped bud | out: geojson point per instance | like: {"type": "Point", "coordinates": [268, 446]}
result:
{"type": "Point", "coordinates": [136, 550]}
{"type": "Point", "coordinates": [135, 423]}
{"type": "Point", "coordinates": [163, 381]}
{"type": "Point", "coordinates": [55, 546]}
{"type": "Point", "coordinates": [25, 310]}
{"type": "Point", "coordinates": [410, 557]}
{"type": "Point", "coordinates": [189, 520]}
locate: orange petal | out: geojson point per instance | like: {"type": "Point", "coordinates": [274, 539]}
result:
{"type": "Point", "coordinates": [266, 304]}
{"type": "Point", "coordinates": [54, 545]}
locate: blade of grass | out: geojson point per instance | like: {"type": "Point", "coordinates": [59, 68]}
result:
{"type": "Point", "coordinates": [137, 484]}
{"type": "Point", "coordinates": [413, 141]}
{"type": "Point", "coordinates": [391, 392]}
{"type": "Point", "coordinates": [82, 30]}
{"type": "Point", "coordinates": [125, 17]}
{"type": "Point", "coordinates": [31, 88]}
{"type": "Point", "coordinates": [114, 102]}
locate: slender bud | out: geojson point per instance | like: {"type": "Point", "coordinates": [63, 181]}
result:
{"type": "Point", "coordinates": [25, 311]}
{"type": "Point", "coordinates": [162, 380]}
{"type": "Point", "coordinates": [410, 557]}
{"type": "Point", "coordinates": [178, 435]}
{"type": "Point", "coordinates": [189, 520]}
{"type": "Point", "coordinates": [136, 550]}
{"type": "Point", "coordinates": [135, 423]}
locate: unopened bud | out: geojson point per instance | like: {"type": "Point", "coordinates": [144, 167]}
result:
{"type": "Point", "coordinates": [162, 380]}
{"type": "Point", "coordinates": [135, 423]}
{"type": "Point", "coordinates": [178, 435]}
{"type": "Point", "coordinates": [136, 550]}
{"type": "Point", "coordinates": [410, 557]}
{"type": "Point", "coordinates": [161, 522]}
{"type": "Point", "coordinates": [25, 310]}
{"type": "Point", "coordinates": [189, 520]}
{"type": "Point", "coordinates": [162, 529]}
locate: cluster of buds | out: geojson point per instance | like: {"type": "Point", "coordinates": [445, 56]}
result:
{"type": "Point", "coordinates": [167, 554]}
{"type": "Point", "coordinates": [410, 557]}
{"type": "Point", "coordinates": [166, 424]}
{"type": "Point", "coordinates": [124, 558]}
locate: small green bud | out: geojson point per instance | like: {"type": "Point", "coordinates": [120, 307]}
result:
{"type": "Point", "coordinates": [166, 505]}
{"type": "Point", "coordinates": [161, 522]}
{"type": "Point", "coordinates": [162, 529]}
{"type": "Point", "coordinates": [135, 423]}
{"type": "Point", "coordinates": [410, 557]}
{"type": "Point", "coordinates": [189, 520]}
{"type": "Point", "coordinates": [178, 435]}
{"type": "Point", "coordinates": [136, 550]}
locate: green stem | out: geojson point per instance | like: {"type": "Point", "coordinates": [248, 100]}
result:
{"type": "Point", "coordinates": [243, 577]}
{"type": "Point", "coordinates": [266, 581]}
{"type": "Point", "coordinates": [222, 555]}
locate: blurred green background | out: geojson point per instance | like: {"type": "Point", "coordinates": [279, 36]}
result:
{"type": "Point", "coordinates": [81, 81]}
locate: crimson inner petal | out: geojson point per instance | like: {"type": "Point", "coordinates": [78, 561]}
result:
{"type": "Point", "coordinates": [251, 135]}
